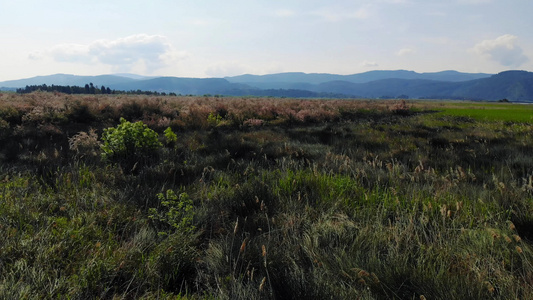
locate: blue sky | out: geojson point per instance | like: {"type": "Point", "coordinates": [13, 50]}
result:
{"type": "Point", "coordinates": [224, 38]}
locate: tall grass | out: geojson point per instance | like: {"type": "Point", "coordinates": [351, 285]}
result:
{"type": "Point", "coordinates": [269, 199]}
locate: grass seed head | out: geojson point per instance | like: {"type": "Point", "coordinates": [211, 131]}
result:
{"type": "Point", "coordinates": [443, 210]}
{"type": "Point", "coordinates": [262, 285]}
{"type": "Point", "coordinates": [243, 245]}
{"type": "Point", "coordinates": [236, 227]}
{"type": "Point", "coordinates": [363, 273]}
{"type": "Point", "coordinates": [517, 238]}
{"type": "Point", "coordinates": [490, 287]}
{"type": "Point", "coordinates": [374, 277]}
{"type": "Point", "coordinates": [511, 226]}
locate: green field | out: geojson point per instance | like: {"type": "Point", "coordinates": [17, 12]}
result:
{"type": "Point", "coordinates": [510, 112]}
{"type": "Point", "coordinates": [245, 198]}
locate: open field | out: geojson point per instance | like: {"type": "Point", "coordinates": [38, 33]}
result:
{"type": "Point", "coordinates": [264, 199]}
{"type": "Point", "coordinates": [510, 112]}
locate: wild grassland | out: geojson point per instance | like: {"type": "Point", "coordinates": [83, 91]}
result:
{"type": "Point", "coordinates": [269, 199]}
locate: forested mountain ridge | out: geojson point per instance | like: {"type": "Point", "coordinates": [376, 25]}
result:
{"type": "Point", "coordinates": [511, 85]}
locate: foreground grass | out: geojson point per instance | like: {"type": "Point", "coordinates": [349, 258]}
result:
{"type": "Point", "coordinates": [343, 201]}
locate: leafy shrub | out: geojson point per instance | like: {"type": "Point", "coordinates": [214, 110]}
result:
{"type": "Point", "coordinates": [129, 141]}
{"type": "Point", "coordinates": [179, 214]}
{"type": "Point", "coordinates": [170, 137]}
{"type": "Point", "coordinates": [213, 120]}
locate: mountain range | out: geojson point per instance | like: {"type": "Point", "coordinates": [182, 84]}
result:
{"type": "Point", "coordinates": [511, 85]}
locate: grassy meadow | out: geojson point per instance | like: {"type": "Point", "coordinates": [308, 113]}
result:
{"type": "Point", "coordinates": [262, 198]}
{"type": "Point", "coordinates": [487, 111]}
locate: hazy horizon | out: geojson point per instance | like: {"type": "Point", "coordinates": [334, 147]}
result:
{"type": "Point", "coordinates": [215, 39]}
{"type": "Point", "coordinates": [140, 76]}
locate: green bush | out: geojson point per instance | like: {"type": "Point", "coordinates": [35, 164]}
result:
{"type": "Point", "coordinates": [170, 137]}
{"type": "Point", "coordinates": [179, 214]}
{"type": "Point", "coordinates": [213, 120]}
{"type": "Point", "coordinates": [129, 141]}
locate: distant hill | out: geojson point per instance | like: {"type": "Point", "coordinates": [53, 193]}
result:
{"type": "Point", "coordinates": [133, 76]}
{"type": "Point", "coordinates": [67, 79]}
{"type": "Point", "coordinates": [317, 78]}
{"type": "Point", "coordinates": [184, 86]}
{"type": "Point", "coordinates": [512, 85]}
{"type": "Point", "coordinates": [7, 89]}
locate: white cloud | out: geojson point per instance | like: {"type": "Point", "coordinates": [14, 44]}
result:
{"type": "Point", "coordinates": [405, 51]}
{"type": "Point", "coordinates": [141, 52]}
{"type": "Point", "coordinates": [70, 53]}
{"type": "Point", "coordinates": [503, 49]}
{"type": "Point", "coordinates": [36, 55]}
{"type": "Point", "coordinates": [369, 64]}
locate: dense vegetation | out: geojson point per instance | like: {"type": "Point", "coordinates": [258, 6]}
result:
{"type": "Point", "coordinates": [239, 198]}
{"type": "Point", "coordinates": [89, 88]}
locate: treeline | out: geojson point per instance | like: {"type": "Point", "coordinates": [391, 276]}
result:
{"type": "Point", "coordinates": [87, 89]}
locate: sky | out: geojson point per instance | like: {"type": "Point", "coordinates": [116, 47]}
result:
{"type": "Point", "coordinates": [213, 38]}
